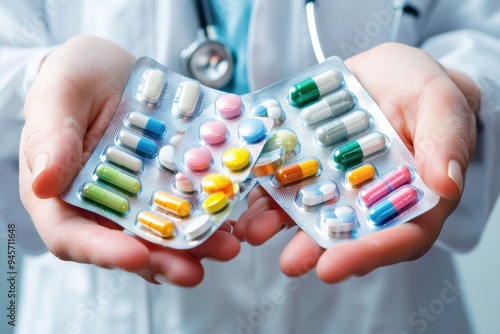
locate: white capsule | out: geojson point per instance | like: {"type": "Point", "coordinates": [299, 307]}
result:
{"type": "Point", "coordinates": [331, 105]}
{"type": "Point", "coordinates": [336, 226]}
{"type": "Point", "coordinates": [152, 85]}
{"type": "Point", "coordinates": [198, 226]}
{"type": "Point", "coordinates": [166, 157]}
{"type": "Point", "coordinates": [318, 193]}
{"type": "Point", "coordinates": [123, 159]}
{"type": "Point", "coordinates": [372, 143]}
{"type": "Point", "coordinates": [186, 99]}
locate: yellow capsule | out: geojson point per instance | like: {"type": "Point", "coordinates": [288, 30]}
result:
{"type": "Point", "coordinates": [296, 172]}
{"type": "Point", "coordinates": [172, 204]}
{"type": "Point", "coordinates": [215, 202]}
{"type": "Point", "coordinates": [236, 158]}
{"type": "Point", "coordinates": [160, 226]}
{"type": "Point", "coordinates": [360, 174]}
{"type": "Point", "coordinates": [213, 183]}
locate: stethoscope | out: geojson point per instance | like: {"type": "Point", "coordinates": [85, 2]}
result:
{"type": "Point", "coordinates": [211, 61]}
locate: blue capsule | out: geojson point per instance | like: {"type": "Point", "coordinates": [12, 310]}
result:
{"type": "Point", "coordinates": [142, 146]}
{"type": "Point", "coordinates": [150, 126]}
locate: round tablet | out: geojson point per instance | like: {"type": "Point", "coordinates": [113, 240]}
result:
{"type": "Point", "coordinates": [259, 111]}
{"type": "Point", "coordinates": [213, 132]}
{"type": "Point", "coordinates": [228, 106]}
{"type": "Point", "coordinates": [198, 159]}
{"type": "Point", "coordinates": [215, 202]}
{"type": "Point", "coordinates": [183, 183]}
{"type": "Point", "coordinates": [198, 226]}
{"type": "Point", "coordinates": [166, 157]}
{"type": "Point", "coordinates": [252, 130]}
{"type": "Point", "coordinates": [236, 158]}
{"type": "Point", "coordinates": [284, 138]}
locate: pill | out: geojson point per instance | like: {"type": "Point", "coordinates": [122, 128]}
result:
{"type": "Point", "coordinates": [198, 159]}
{"type": "Point", "coordinates": [123, 159]}
{"type": "Point", "coordinates": [270, 108]}
{"type": "Point", "coordinates": [183, 184]}
{"type": "Point", "coordinates": [339, 130]}
{"type": "Point", "coordinates": [331, 105]}
{"type": "Point", "coordinates": [105, 197]}
{"type": "Point", "coordinates": [270, 103]}
{"type": "Point", "coordinates": [345, 213]}
{"type": "Point", "coordinates": [335, 225]}
{"type": "Point", "coordinates": [296, 172]}
{"type": "Point", "coordinates": [215, 202]}
{"type": "Point", "coordinates": [142, 146]}
{"type": "Point", "coordinates": [285, 138]}
{"type": "Point", "coordinates": [354, 151]}
{"type": "Point", "coordinates": [152, 85]}
{"type": "Point", "coordinates": [198, 226]}
{"type": "Point", "coordinates": [229, 106]}
{"type": "Point", "coordinates": [151, 126]}
{"type": "Point", "coordinates": [391, 181]}
{"type": "Point", "coordinates": [213, 132]}
{"type": "Point", "coordinates": [166, 157]}
{"type": "Point", "coordinates": [318, 193]}
{"type": "Point", "coordinates": [159, 226]}
{"type": "Point", "coordinates": [360, 174]}
{"type": "Point", "coordinates": [171, 203]}
{"type": "Point", "coordinates": [252, 130]}
{"type": "Point", "coordinates": [216, 182]}
{"type": "Point", "coordinates": [117, 178]}
{"type": "Point", "coordinates": [269, 162]}
{"type": "Point", "coordinates": [313, 88]}
{"type": "Point", "coordinates": [186, 98]}
{"type": "Point", "coordinates": [236, 158]}
{"type": "Point", "coordinates": [399, 201]}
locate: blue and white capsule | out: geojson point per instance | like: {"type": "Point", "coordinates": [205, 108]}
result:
{"type": "Point", "coordinates": [318, 193]}
{"type": "Point", "coordinates": [140, 145]}
{"type": "Point", "coordinates": [150, 126]}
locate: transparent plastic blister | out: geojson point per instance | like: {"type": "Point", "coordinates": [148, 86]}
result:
{"type": "Point", "coordinates": [131, 177]}
{"type": "Point", "coordinates": [351, 174]}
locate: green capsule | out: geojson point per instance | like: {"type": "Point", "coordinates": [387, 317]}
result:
{"type": "Point", "coordinates": [354, 151]}
{"type": "Point", "coordinates": [117, 178]}
{"type": "Point", "coordinates": [105, 197]}
{"type": "Point", "coordinates": [313, 88]}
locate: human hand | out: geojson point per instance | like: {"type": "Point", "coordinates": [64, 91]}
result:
{"type": "Point", "coordinates": [67, 111]}
{"type": "Point", "coordinates": [433, 111]}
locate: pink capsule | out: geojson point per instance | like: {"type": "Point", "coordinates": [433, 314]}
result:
{"type": "Point", "coordinates": [388, 183]}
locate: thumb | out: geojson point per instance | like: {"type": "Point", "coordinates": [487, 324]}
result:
{"type": "Point", "coordinates": [444, 137]}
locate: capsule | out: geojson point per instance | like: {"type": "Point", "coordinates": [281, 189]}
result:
{"type": "Point", "coordinates": [236, 158]}
{"type": "Point", "coordinates": [117, 178]}
{"type": "Point", "coordinates": [268, 162]}
{"type": "Point", "coordinates": [172, 204]}
{"type": "Point", "coordinates": [360, 174]}
{"type": "Point", "coordinates": [340, 220]}
{"type": "Point", "coordinates": [313, 88]}
{"type": "Point", "coordinates": [142, 146]}
{"type": "Point", "coordinates": [332, 105]}
{"type": "Point", "coordinates": [123, 159]}
{"type": "Point", "coordinates": [318, 193]}
{"type": "Point", "coordinates": [214, 182]}
{"type": "Point", "coordinates": [186, 99]}
{"type": "Point", "coordinates": [159, 226]}
{"type": "Point", "coordinates": [198, 226]}
{"type": "Point", "coordinates": [270, 108]}
{"type": "Point", "coordinates": [395, 204]}
{"type": "Point", "coordinates": [152, 86]}
{"type": "Point", "coordinates": [391, 181]}
{"type": "Point", "coordinates": [354, 151]}
{"type": "Point", "coordinates": [339, 130]}
{"type": "Point", "coordinates": [296, 172]}
{"type": "Point", "coordinates": [105, 197]}
{"type": "Point", "coordinates": [215, 202]}
{"type": "Point", "coordinates": [150, 126]}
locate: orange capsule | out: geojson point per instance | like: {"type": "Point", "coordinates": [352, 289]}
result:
{"type": "Point", "coordinates": [360, 174]}
{"type": "Point", "coordinates": [172, 203]}
{"type": "Point", "coordinates": [160, 226]}
{"type": "Point", "coordinates": [296, 172]}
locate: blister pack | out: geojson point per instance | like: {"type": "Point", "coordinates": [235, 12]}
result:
{"type": "Point", "coordinates": [131, 176]}
{"type": "Point", "coordinates": [333, 161]}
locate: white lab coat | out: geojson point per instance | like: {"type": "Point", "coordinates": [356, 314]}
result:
{"type": "Point", "coordinates": [249, 294]}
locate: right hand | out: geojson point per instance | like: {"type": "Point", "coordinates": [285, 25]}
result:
{"type": "Point", "coordinates": [67, 111]}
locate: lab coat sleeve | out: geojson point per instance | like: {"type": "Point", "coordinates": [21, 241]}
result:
{"type": "Point", "coordinates": [24, 42]}
{"type": "Point", "coordinates": [468, 40]}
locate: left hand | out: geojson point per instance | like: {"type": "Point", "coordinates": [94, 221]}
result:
{"type": "Point", "coordinates": [433, 111]}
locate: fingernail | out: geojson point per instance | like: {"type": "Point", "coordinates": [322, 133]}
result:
{"type": "Point", "coordinates": [39, 165]}
{"type": "Point", "coordinates": [455, 173]}
{"type": "Point", "coordinates": [162, 278]}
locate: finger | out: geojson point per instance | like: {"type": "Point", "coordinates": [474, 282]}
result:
{"type": "Point", "coordinates": [300, 255]}
{"type": "Point", "coordinates": [400, 243]}
{"type": "Point", "coordinates": [221, 246]}
{"type": "Point", "coordinates": [256, 193]}
{"type": "Point", "coordinates": [445, 137]}
{"type": "Point", "coordinates": [67, 111]}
